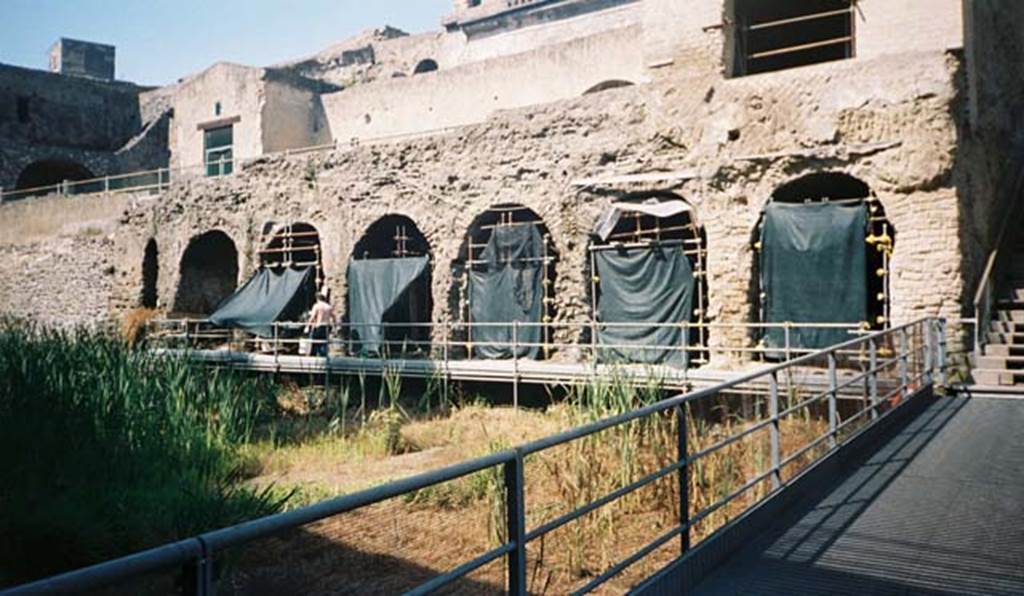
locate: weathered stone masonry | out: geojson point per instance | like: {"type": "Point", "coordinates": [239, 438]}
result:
{"type": "Point", "coordinates": [739, 139]}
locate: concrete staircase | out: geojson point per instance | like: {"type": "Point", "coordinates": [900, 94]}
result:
{"type": "Point", "coordinates": [1002, 361]}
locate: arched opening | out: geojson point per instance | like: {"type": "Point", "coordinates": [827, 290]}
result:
{"type": "Point", "coordinates": [424, 66]}
{"type": "Point", "coordinates": [504, 282]}
{"type": "Point", "coordinates": [150, 275]}
{"type": "Point", "coordinates": [51, 172]}
{"type": "Point", "coordinates": [647, 264]}
{"type": "Point", "coordinates": [823, 246]}
{"type": "Point", "coordinates": [606, 85]}
{"type": "Point", "coordinates": [292, 245]}
{"type": "Point", "coordinates": [389, 302]}
{"type": "Point", "coordinates": [208, 274]}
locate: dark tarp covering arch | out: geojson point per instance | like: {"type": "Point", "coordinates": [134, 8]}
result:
{"type": "Point", "coordinates": [652, 284]}
{"type": "Point", "coordinates": [813, 270]}
{"type": "Point", "coordinates": [506, 288]}
{"type": "Point", "coordinates": [272, 295]}
{"type": "Point", "coordinates": [384, 291]}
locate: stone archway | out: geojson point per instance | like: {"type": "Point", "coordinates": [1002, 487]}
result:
{"type": "Point", "coordinates": [208, 273]}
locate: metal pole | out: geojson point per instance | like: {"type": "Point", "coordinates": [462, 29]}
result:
{"type": "Point", "coordinates": [904, 372]}
{"type": "Point", "coordinates": [873, 376]}
{"type": "Point", "coordinates": [929, 350]}
{"type": "Point", "coordinates": [942, 351]}
{"type": "Point", "coordinates": [515, 519]}
{"type": "Point", "coordinates": [444, 353]}
{"type": "Point", "coordinates": [515, 364]}
{"type": "Point", "coordinates": [683, 453]}
{"type": "Point", "coordinates": [833, 416]}
{"type": "Point", "coordinates": [776, 441]}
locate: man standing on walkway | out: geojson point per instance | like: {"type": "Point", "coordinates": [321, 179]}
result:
{"type": "Point", "coordinates": [321, 318]}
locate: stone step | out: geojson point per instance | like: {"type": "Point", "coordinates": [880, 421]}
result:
{"type": "Point", "coordinates": [1007, 314]}
{"type": "Point", "coordinates": [1015, 363]}
{"type": "Point", "coordinates": [1001, 378]}
{"type": "Point", "coordinates": [1013, 294]}
{"type": "Point", "coordinates": [1006, 327]}
{"type": "Point", "coordinates": [1004, 349]}
{"type": "Point", "coordinates": [1008, 338]}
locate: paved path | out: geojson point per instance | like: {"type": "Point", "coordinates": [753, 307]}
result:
{"type": "Point", "coordinates": [938, 510]}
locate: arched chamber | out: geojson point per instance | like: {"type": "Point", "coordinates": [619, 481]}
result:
{"type": "Point", "coordinates": [648, 285]}
{"type": "Point", "coordinates": [823, 247]}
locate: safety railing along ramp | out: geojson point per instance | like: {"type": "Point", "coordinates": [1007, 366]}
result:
{"type": "Point", "coordinates": [936, 509]}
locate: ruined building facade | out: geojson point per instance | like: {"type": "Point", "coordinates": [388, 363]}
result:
{"type": "Point", "coordinates": [560, 107]}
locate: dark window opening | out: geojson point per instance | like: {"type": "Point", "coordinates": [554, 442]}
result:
{"type": "Point", "coordinates": [217, 145]}
{"type": "Point", "coordinates": [771, 35]}
{"type": "Point", "coordinates": [424, 66]}
{"type": "Point", "coordinates": [208, 274]}
{"type": "Point", "coordinates": [24, 116]}
{"type": "Point", "coordinates": [150, 275]}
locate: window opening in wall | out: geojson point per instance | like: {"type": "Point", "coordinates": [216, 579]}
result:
{"type": "Point", "coordinates": [217, 144]}
{"type": "Point", "coordinates": [815, 206]}
{"type": "Point", "coordinates": [424, 66]}
{"type": "Point", "coordinates": [24, 116]}
{"type": "Point", "coordinates": [771, 35]}
{"type": "Point", "coordinates": [637, 243]}
{"type": "Point", "coordinates": [216, 109]}
{"type": "Point", "coordinates": [506, 276]}
{"type": "Point", "coordinates": [150, 275]}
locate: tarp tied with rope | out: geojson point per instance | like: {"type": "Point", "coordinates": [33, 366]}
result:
{"type": "Point", "coordinates": [273, 295]}
{"type": "Point", "coordinates": [508, 287]}
{"type": "Point", "coordinates": [387, 291]}
{"type": "Point", "coordinates": [813, 270]}
{"type": "Point", "coordinates": [641, 286]}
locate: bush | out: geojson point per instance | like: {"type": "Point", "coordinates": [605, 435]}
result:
{"type": "Point", "coordinates": [112, 450]}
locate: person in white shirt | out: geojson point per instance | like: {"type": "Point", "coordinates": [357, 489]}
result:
{"type": "Point", "coordinates": [321, 318]}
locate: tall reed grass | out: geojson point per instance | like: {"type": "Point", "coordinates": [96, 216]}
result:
{"type": "Point", "coordinates": [108, 450]}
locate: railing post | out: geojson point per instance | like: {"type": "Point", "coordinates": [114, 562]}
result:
{"type": "Point", "coordinates": [197, 576]}
{"type": "Point", "coordinates": [515, 364]}
{"type": "Point", "coordinates": [928, 350]}
{"type": "Point", "coordinates": [833, 414]}
{"type": "Point", "coordinates": [904, 368]}
{"type": "Point", "coordinates": [873, 377]}
{"type": "Point", "coordinates": [444, 354]}
{"type": "Point", "coordinates": [683, 453]}
{"type": "Point", "coordinates": [942, 351]}
{"type": "Point", "coordinates": [516, 524]}
{"type": "Point", "coordinates": [776, 440]}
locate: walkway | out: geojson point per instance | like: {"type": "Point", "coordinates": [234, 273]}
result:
{"type": "Point", "coordinates": [939, 509]}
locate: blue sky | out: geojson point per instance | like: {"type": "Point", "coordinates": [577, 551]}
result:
{"type": "Point", "coordinates": [159, 41]}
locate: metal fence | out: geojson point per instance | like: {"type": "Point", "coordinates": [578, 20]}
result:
{"type": "Point", "coordinates": [672, 451]}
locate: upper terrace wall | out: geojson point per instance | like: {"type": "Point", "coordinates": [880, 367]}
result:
{"type": "Point", "coordinates": [45, 108]}
{"type": "Point", "coordinates": [470, 93]}
{"type": "Point", "coordinates": [724, 146]}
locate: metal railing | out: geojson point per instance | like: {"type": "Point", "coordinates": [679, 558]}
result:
{"type": "Point", "coordinates": [894, 366]}
{"type": "Point", "coordinates": [160, 179]}
{"type": "Point", "coordinates": [461, 340]}
{"type": "Point", "coordinates": [1011, 210]}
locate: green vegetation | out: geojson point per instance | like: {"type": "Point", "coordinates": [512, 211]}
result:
{"type": "Point", "coordinates": [110, 450]}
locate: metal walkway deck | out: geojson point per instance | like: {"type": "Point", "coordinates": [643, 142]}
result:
{"type": "Point", "coordinates": [939, 509]}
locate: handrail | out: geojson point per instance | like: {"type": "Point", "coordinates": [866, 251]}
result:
{"type": "Point", "coordinates": [1012, 207]}
{"type": "Point", "coordinates": [198, 554]}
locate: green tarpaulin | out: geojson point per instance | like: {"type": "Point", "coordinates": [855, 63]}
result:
{"type": "Point", "coordinates": [272, 295]}
{"type": "Point", "coordinates": [508, 287]}
{"type": "Point", "coordinates": [644, 285]}
{"type": "Point", "coordinates": [813, 270]}
{"type": "Point", "coordinates": [386, 291]}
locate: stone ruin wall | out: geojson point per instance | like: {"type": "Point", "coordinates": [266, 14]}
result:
{"type": "Point", "coordinates": [741, 138]}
